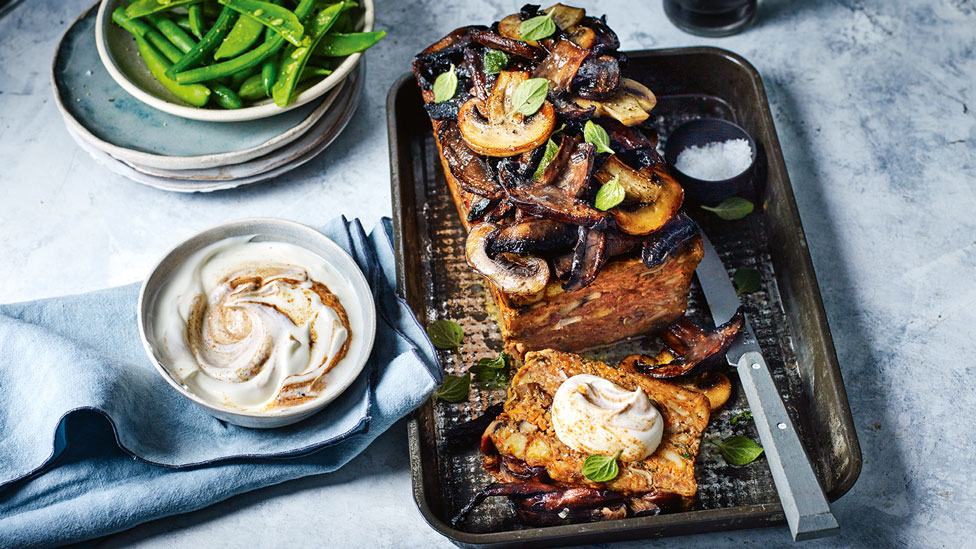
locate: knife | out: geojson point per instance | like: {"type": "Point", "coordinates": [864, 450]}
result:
{"type": "Point", "coordinates": [804, 504]}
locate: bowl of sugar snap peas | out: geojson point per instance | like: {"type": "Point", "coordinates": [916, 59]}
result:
{"type": "Point", "coordinates": [232, 60]}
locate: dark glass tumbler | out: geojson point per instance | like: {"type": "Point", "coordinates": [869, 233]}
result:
{"type": "Point", "coordinates": [711, 17]}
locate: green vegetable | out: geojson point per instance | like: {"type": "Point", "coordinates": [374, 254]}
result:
{"type": "Point", "coordinates": [183, 22]}
{"type": "Point", "coordinates": [226, 97]}
{"type": "Point", "coordinates": [183, 41]}
{"type": "Point", "coordinates": [195, 15]}
{"type": "Point", "coordinates": [196, 94]}
{"type": "Point", "coordinates": [205, 46]}
{"type": "Point", "coordinates": [454, 388]}
{"type": "Point", "coordinates": [747, 280]}
{"type": "Point", "coordinates": [537, 27]}
{"type": "Point", "coordinates": [445, 86]}
{"type": "Point", "coordinates": [269, 74]}
{"type": "Point", "coordinates": [246, 31]}
{"type": "Point", "coordinates": [492, 373]}
{"type": "Point", "coordinates": [140, 8]}
{"type": "Point", "coordinates": [601, 468]}
{"type": "Point", "coordinates": [610, 194]}
{"type": "Point", "coordinates": [137, 27]}
{"type": "Point", "coordinates": [739, 450]}
{"type": "Point", "coordinates": [246, 60]}
{"type": "Point", "coordinates": [731, 209]}
{"type": "Point", "coordinates": [252, 88]}
{"type": "Point", "coordinates": [337, 44]}
{"type": "Point", "coordinates": [551, 149]}
{"type": "Point", "coordinates": [279, 19]}
{"type": "Point", "coordinates": [743, 416]}
{"type": "Point", "coordinates": [445, 334]}
{"type": "Point", "coordinates": [594, 133]}
{"type": "Point", "coordinates": [530, 95]}
{"type": "Point", "coordinates": [495, 61]}
{"type": "Point", "coordinates": [294, 59]}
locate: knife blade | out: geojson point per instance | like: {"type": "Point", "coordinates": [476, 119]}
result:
{"type": "Point", "coordinates": [804, 503]}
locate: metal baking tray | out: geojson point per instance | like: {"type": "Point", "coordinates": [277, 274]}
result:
{"type": "Point", "coordinates": [787, 313]}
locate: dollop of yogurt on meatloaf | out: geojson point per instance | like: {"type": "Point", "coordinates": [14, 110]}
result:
{"type": "Point", "coordinates": [596, 416]}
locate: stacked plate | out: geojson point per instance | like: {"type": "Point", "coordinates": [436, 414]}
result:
{"type": "Point", "coordinates": [177, 154]}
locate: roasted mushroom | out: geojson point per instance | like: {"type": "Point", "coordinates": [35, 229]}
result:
{"type": "Point", "coordinates": [689, 350]}
{"type": "Point", "coordinates": [629, 104]}
{"type": "Point", "coordinates": [493, 128]}
{"type": "Point", "coordinates": [471, 170]}
{"type": "Point", "coordinates": [663, 242]}
{"type": "Point", "coordinates": [531, 236]}
{"type": "Point", "coordinates": [650, 217]}
{"type": "Point", "coordinates": [590, 254]}
{"type": "Point", "coordinates": [516, 276]}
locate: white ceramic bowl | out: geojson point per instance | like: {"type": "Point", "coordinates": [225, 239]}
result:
{"type": "Point", "coordinates": [278, 230]}
{"type": "Point", "coordinates": [117, 50]}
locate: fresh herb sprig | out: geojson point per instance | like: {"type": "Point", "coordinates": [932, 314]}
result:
{"type": "Point", "coordinates": [538, 27]}
{"type": "Point", "coordinates": [739, 450]}
{"type": "Point", "coordinates": [492, 373]}
{"type": "Point", "coordinates": [530, 95]}
{"type": "Point", "coordinates": [445, 86]}
{"type": "Point", "coordinates": [448, 335]}
{"type": "Point", "coordinates": [747, 280]}
{"type": "Point", "coordinates": [595, 134]}
{"type": "Point", "coordinates": [743, 416]}
{"type": "Point", "coordinates": [454, 388]}
{"type": "Point", "coordinates": [495, 61]}
{"type": "Point", "coordinates": [610, 194]}
{"type": "Point", "coordinates": [731, 209]}
{"type": "Point", "coordinates": [601, 468]}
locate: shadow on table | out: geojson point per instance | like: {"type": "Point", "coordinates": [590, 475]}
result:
{"type": "Point", "coordinates": [774, 11]}
{"type": "Point", "coordinates": [860, 351]}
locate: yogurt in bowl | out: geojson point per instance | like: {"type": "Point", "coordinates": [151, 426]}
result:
{"type": "Point", "coordinates": [262, 322]}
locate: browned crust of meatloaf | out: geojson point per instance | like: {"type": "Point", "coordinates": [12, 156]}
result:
{"type": "Point", "coordinates": [524, 430]}
{"type": "Point", "coordinates": [626, 300]}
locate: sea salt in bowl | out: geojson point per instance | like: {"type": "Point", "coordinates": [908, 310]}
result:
{"type": "Point", "coordinates": [715, 163]}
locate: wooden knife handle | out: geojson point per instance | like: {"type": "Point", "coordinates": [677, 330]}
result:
{"type": "Point", "coordinates": [806, 508]}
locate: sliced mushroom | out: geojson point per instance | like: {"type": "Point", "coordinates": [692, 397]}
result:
{"type": "Point", "coordinates": [531, 236]}
{"type": "Point", "coordinates": [471, 170]}
{"type": "Point", "coordinates": [589, 256]}
{"type": "Point", "coordinates": [482, 207]}
{"type": "Point", "coordinates": [690, 350]}
{"type": "Point", "coordinates": [714, 385]}
{"type": "Point", "coordinates": [638, 188]}
{"type": "Point", "coordinates": [516, 276]}
{"type": "Point", "coordinates": [565, 17]}
{"type": "Point", "coordinates": [501, 131]}
{"type": "Point", "coordinates": [624, 139]}
{"type": "Point", "coordinates": [508, 44]}
{"type": "Point", "coordinates": [547, 201]}
{"type": "Point", "coordinates": [648, 218]}
{"type": "Point", "coordinates": [560, 67]}
{"type": "Point", "coordinates": [659, 245]}
{"type": "Point", "coordinates": [597, 77]}
{"type": "Point", "coordinates": [629, 104]}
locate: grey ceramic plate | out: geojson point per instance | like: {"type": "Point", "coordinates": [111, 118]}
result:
{"type": "Point", "coordinates": [112, 120]}
{"type": "Point", "coordinates": [326, 129]}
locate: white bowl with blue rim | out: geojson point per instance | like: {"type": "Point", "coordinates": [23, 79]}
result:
{"type": "Point", "coordinates": [117, 50]}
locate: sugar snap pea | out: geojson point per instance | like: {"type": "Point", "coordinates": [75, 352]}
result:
{"type": "Point", "coordinates": [173, 32]}
{"type": "Point", "coordinates": [253, 88]}
{"type": "Point", "coordinates": [295, 59]}
{"type": "Point", "coordinates": [277, 18]}
{"type": "Point", "coordinates": [195, 15]}
{"type": "Point", "coordinates": [140, 8]}
{"type": "Point", "coordinates": [194, 94]}
{"type": "Point", "coordinates": [183, 22]}
{"type": "Point", "coordinates": [135, 26]}
{"type": "Point", "coordinates": [246, 31]}
{"type": "Point", "coordinates": [238, 78]}
{"type": "Point", "coordinates": [226, 97]}
{"type": "Point", "coordinates": [246, 60]}
{"type": "Point", "coordinates": [340, 45]}
{"type": "Point", "coordinates": [210, 41]}
{"type": "Point", "coordinates": [269, 74]}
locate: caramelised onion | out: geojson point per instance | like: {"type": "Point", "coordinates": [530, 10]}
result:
{"type": "Point", "coordinates": [514, 275]}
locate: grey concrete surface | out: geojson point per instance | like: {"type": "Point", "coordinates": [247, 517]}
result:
{"type": "Point", "coordinates": [874, 104]}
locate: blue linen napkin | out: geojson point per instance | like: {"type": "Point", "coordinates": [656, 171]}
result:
{"type": "Point", "coordinates": [94, 441]}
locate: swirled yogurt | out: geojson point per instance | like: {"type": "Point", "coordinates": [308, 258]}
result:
{"type": "Point", "coordinates": [252, 325]}
{"type": "Point", "coordinates": [593, 415]}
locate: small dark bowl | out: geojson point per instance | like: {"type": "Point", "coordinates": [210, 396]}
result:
{"type": "Point", "coordinates": [701, 132]}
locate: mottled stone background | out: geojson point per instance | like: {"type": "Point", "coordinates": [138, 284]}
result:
{"type": "Point", "coordinates": [874, 103]}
